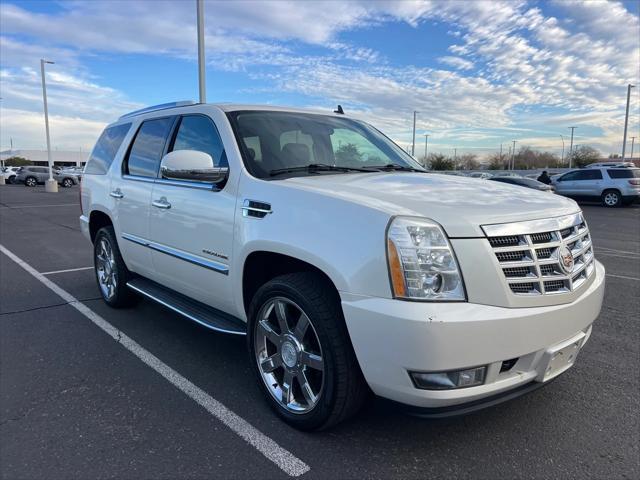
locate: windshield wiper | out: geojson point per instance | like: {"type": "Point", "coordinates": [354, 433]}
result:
{"type": "Point", "coordinates": [316, 167]}
{"type": "Point", "coordinates": [394, 167]}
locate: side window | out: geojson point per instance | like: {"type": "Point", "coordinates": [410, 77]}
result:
{"type": "Point", "coordinates": [621, 173]}
{"type": "Point", "coordinates": [146, 151]}
{"type": "Point", "coordinates": [569, 177]}
{"type": "Point", "coordinates": [588, 175]}
{"type": "Point", "coordinates": [197, 132]}
{"type": "Point", "coordinates": [106, 148]}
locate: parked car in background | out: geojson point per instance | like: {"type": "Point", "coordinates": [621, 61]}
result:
{"type": "Point", "coordinates": [32, 176]}
{"type": "Point", "coordinates": [613, 186]}
{"type": "Point", "coordinates": [77, 171]}
{"type": "Point", "coordinates": [483, 175]}
{"type": "Point", "coordinates": [611, 164]}
{"type": "Point", "coordinates": [524, 182]}
{"type": "Point", "coordinates": [348, 273]}
{"type": "Point", "coordinates": [9, 174]}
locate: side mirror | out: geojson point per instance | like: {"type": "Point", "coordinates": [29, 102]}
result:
{"type": "Point", "coordinates": [192, 166]}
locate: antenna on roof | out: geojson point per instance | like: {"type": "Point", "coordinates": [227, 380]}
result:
{"type": "Point", "coordinates": [339, 110]}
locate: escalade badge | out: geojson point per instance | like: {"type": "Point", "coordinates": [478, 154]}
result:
{"type": "Point", "coordinates": [566, 259]}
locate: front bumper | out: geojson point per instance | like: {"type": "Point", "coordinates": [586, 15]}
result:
{"type": "Point", "coordinates": [84, 226]}
{"type": "Point", "coordinates": [393, 337]}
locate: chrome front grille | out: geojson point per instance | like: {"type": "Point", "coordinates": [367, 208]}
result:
{"type": "Point", "coordinates": [535, 256]}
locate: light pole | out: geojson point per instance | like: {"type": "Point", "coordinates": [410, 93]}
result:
{"type": "Point", "coordinates": [633, 140]}
{"type": "Point", "coordinates": [626, 120]}
{"type": "Point", "coordinates": [571, 145]}
{"type": "Point", "coordinates": [513, 156]}
{"type": "Point", "coordinates": [562, 156]}
{"type": "Point", "coordinates": [51, 185]}
{"type": "Point", "coordinates": [413, 142]}
{"type": "Point", "coordinates": [426, 146]}
{"type": "Point", "coordinates": [201, 56]}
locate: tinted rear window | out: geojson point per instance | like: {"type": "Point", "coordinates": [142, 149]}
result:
{"type": "Point", "coordinates": [146, 152]}
{"type": "Point", "coordinates": [624, 173]}
{"type": "Point", "coordinates": [106, 148]}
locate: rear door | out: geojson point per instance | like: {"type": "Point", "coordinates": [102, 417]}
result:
{"type": "Point", "coordinates": [131, 192]}
{"type": "Point", "coordinates": [191, 223]}
{"type": "Point", "coordinates": [42, 173]}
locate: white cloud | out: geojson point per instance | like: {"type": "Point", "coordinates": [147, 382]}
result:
{"type": "Point", "coordinates": [26, 128]}
{"type": "Point", "coordinates": [456, 62]}
{"type": "Point", "coordinates": [511, 53]}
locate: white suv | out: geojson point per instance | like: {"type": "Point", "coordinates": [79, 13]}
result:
{"type": "Point", "coordinates": [613, 186]}
{"type": "Point", "coordinates": [349, 268]}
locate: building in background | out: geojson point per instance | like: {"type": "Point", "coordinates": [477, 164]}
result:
{"type": "Point", "coordinates": [62, 158]}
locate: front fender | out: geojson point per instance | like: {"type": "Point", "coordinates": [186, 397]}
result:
{"type": "Point", "coordinates": [343, 239]}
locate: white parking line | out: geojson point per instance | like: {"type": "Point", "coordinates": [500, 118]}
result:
{"type": "Point", "coordinates": [284, 459]}
{"type": "Point", "coordinates": [623, 276]}
{"type": "Point", "coordinates": [67, 270]}
{"type": "Point", "coordinates": [616, 251]}
{"type": "Point", "coordinates": [8, 207]}
{"type": "Point", "coordinates": [609, 254]}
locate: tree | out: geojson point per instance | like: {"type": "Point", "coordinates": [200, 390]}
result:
{"type": "Point", "coordinates": [438, 161]}
{"type": "Point", "coordinates": [17, 162]}
{"type": "Point", "coordinates": [468, 161]}
{"type": "Point", "coordinates": [584, 155]}
{"type": "Point", "coordinates": [498, 161]}
{"type": "Point", "coordinates": [348, 154]}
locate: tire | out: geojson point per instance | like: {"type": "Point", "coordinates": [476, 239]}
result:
{"type": "Point", "coordinates": [111, 272]}
{"type": "Point", "coordinates": [30, 181]}
{"type": "Point", "coordinates": [67, 183]}
{"type": "Point", "coordinates": [323, 357]}
{"type": "Point", "coordinates": [12, 179]}
{"type": "Point", "coordinates": [611, 198]}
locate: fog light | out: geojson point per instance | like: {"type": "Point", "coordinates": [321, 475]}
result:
{"type": "Point", "coordinates": [449, 380]}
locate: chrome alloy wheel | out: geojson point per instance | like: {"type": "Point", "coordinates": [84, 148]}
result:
{"type": "Point", "coordinates": [106, 269]}
{"type": "Point", "coordinates": [31, 182]}
{"type": "Point", "coordinates": [289, 356]}
{"type": "Point", "coordinates": [611, 199]}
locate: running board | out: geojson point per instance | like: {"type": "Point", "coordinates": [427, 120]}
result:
{"type": "Point", "coordinates": [206, 316]}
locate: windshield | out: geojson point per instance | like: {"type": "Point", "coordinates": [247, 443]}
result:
{"type": "Point", "coordinates": [273, 143]}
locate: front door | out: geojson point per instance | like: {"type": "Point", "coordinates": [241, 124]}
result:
{"type": "Point", "coordinates": [191, 223]}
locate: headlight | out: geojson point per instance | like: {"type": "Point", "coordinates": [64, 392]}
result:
{"type": "Point", "coordinates": [422, 265]}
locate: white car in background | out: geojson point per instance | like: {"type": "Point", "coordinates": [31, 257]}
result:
{"type": "Point", "coordinates": [611, 164]}
{"type": "Point", "coordinates": [613, 186]}
{"type": "Point", "coordinates": [9, 174]}
{"type": "Point", "coordinates": [348, 267]}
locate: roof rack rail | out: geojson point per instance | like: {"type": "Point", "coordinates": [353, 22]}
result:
{"type": "Point", "coordinates": [162, 106]}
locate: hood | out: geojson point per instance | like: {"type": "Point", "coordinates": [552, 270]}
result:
{"type": "Point", "coordinates": [460, 204]}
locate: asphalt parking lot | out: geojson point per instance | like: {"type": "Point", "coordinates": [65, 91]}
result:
{"type": "Point", "coordinates": [147, 394]}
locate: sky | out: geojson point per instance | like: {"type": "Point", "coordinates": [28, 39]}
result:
{"type": "Point", "coordinates": [479, 73]}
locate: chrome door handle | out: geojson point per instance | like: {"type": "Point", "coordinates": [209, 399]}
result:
{"type": "Point", "coordinates": [116, 193]}
{"type": "Point", "coordinates": [162, 203]}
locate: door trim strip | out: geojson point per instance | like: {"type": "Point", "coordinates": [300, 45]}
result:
{"type": "Point", "coordinates": [187, 257]}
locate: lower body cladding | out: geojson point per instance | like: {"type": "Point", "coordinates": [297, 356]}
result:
{"type": "Point", "coordinates": [484, 351]}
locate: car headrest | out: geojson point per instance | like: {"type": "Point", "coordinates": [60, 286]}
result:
{"type": "Point", "coordinates": [296, 154]}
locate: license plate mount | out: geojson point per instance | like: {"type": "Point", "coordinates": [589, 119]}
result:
{"type": "Point", "coordinates": [559, 358]}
